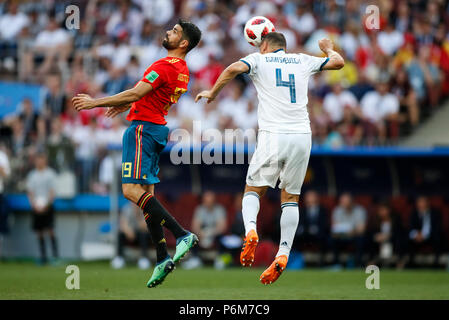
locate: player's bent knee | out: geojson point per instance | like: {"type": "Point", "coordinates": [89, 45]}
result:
{"type": "Point", "coordinates": [259, 190]}
{"type": "Point", "coordinates": [288, 197]}
{"type": "Point", "coordinates": [129, 190]}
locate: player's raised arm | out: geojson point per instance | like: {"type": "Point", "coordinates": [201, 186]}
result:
{"type": "Point", "coordinates": [84, 101]}
{"type": "Point", "coordinates": [227, 75]}
{"type": "Point", "coordinates": [336, 61]}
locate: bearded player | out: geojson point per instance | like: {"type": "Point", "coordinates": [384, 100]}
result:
{"type": "Point", "coordinates": [284, 138]}
{"type": "Point", "coordinates": [161, 86]}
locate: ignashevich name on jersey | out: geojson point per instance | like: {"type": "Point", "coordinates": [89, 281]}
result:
{"type": "Point", "coordinates": [281, 80]}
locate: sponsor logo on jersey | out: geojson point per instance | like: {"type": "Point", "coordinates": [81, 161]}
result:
{"type": "Point", "coordinates": [183, 77]}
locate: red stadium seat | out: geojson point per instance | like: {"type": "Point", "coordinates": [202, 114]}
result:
{"type": "Point", "coordinates": [364, 200]}
{"type": "Point", "coordinates": [164, 201]}
{"type": "Point", "coordinates": [227, 201]}
{"type": "Point", "coordinates": [184, 208]}
{"type": "Point", "coordinates": [328, 201]}
{"type": "Point", "coordinates": [437, 202]}
{"type": "Point", "coordinates": [401, 205]}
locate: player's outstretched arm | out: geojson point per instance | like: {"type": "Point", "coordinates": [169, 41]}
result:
{"type": "Point", "coordinates": [227, 75]}
{"type": "Point", "coordinates": [84, 101]}
{"type": "Point", "coordinates": [336, 61]}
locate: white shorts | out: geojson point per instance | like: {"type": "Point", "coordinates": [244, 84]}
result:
{"type": "Point", "coordinates": [282, 156]}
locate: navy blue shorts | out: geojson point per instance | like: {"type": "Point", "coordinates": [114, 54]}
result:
{"type": "Point", "coordinates": [142, 144]}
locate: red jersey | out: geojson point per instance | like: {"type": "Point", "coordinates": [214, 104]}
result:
{"type": "Point", "coordinates": [169, 77]}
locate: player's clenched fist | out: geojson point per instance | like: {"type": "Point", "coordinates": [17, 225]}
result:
{"type": "Point", "coordinates": [325, 45]}
{"type": "Point", "coordinates": [83, 102]}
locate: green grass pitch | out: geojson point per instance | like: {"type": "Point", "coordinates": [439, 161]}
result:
{"type": "Point", "coordinates": [99, 281]}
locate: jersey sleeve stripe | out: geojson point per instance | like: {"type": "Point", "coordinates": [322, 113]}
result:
{"type": "Point", "coordinates": [249, 66]}
{"type": "Point", "coordinates": [324, 63]}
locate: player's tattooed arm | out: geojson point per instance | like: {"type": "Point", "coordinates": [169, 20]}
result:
{"type": "Point", "coordinates": [227, 75]}
{"type": "Point", "coordinates": [336, 61]}
{"type": "Point", "coordinates": [84, 101]}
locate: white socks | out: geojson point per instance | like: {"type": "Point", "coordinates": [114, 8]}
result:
{"type": "Point", "coordinates": [250, 209]}
{"type": "Point", "coordinates": [289, 224]}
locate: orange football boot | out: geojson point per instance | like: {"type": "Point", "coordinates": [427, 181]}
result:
{"type": "Point", "coordinates": [249, 248]}
{"type": "Point", "coordinates": [274, 271]}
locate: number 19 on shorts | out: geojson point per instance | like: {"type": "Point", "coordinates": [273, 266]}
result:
{"type": "Point", "coordinates": [126, 169]}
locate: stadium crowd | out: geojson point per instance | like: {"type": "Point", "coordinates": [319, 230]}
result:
{"type": "Point", "coordinates": [394, 77]}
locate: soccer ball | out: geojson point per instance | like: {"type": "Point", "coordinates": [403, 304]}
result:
{"type": "Point", "coordinates": [256, 28]}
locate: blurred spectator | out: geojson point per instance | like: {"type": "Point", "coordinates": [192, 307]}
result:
{"type": "Point", "coordinates": [408, 102]}
{"type": "Point", "coordinates": [302, 21]}
{"type": "Point", "coordinates": [424, 76]}
{"type": "Point", "coordinates": [11, 24]}
{"type": "Point", "coordinates": [84, 37]}
{"type": "Point", "coordinates": [126, 19]}
{"type": "Point", "coordinates": [198, 59]}
{"type": "Point", "coordinates": [336, 101]}
{"type": "Point", "coordinates": [60, 149]}
{"type": "Point", "coordinates": [403, 19]}
{"type": "Point", "coordinates": [351, 39]}
{"type": "Point", "coordinates": [5, 172]}
{"type": "Point", "coordinates": [111, 164]}
{"type": "Point", "coordinates": [18, 138]}
{"type": "Point", "coordinates": [133, 231]}
{"type": "Point", "coordinates": [313, 228]}
{"type": "Point", "coordinates": [86, 143]}
{"type": "Point", "coordinates": [29, 118]}
{"type": "Point", "coordinates": [53, 43]}
{"type": "Point", "coordinates": [348, 227]}
{"type": "Point", "coordinates": [390, 39]}
{"type": "Point", "coordinates": [54, 102]}
{"type": "Point", "coordinates": [425, 229]}
{"type": "Point", "coordinates": [386, 237]}
{"type": "Point", "coordinates": [118, 52]}
{"type": "Point", "coordinates": [41, 194]}
{"type": "Point", "coordinates": [231, 244]}
{"type": "Point", "coordinates": [208, 74]}
{"type": "Point", "coordinates": [333, 16]}
{"type": "Point", "coordinates": [380, 110]}
{"type": "Point", "coordinates": [209, 223]}
{"type": "Point", "coordinates": [235, 102]}
{"type": "Point", "coordinates": [165, 10]}
{"type": "Point", "coordinates": [351, 128]}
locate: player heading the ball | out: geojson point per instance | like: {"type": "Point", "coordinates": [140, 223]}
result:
{"type": "Point", "coordinates": [284, 139]}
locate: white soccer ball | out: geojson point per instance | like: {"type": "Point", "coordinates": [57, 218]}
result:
{"type": "Point", "coordinates": [256, 28]}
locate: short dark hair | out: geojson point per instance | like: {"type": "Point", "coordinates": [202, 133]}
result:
{"type": "Point", "coordinates": [275, 39]}
{"type": "Point", "coordinates": [190, 32]}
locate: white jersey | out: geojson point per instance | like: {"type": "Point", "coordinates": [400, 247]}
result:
{"type": "Point", "coordinates": [281, 80]}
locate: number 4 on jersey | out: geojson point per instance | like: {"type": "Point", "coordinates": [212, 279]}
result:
{"type": "Point", "coordinates": [289, 84]}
